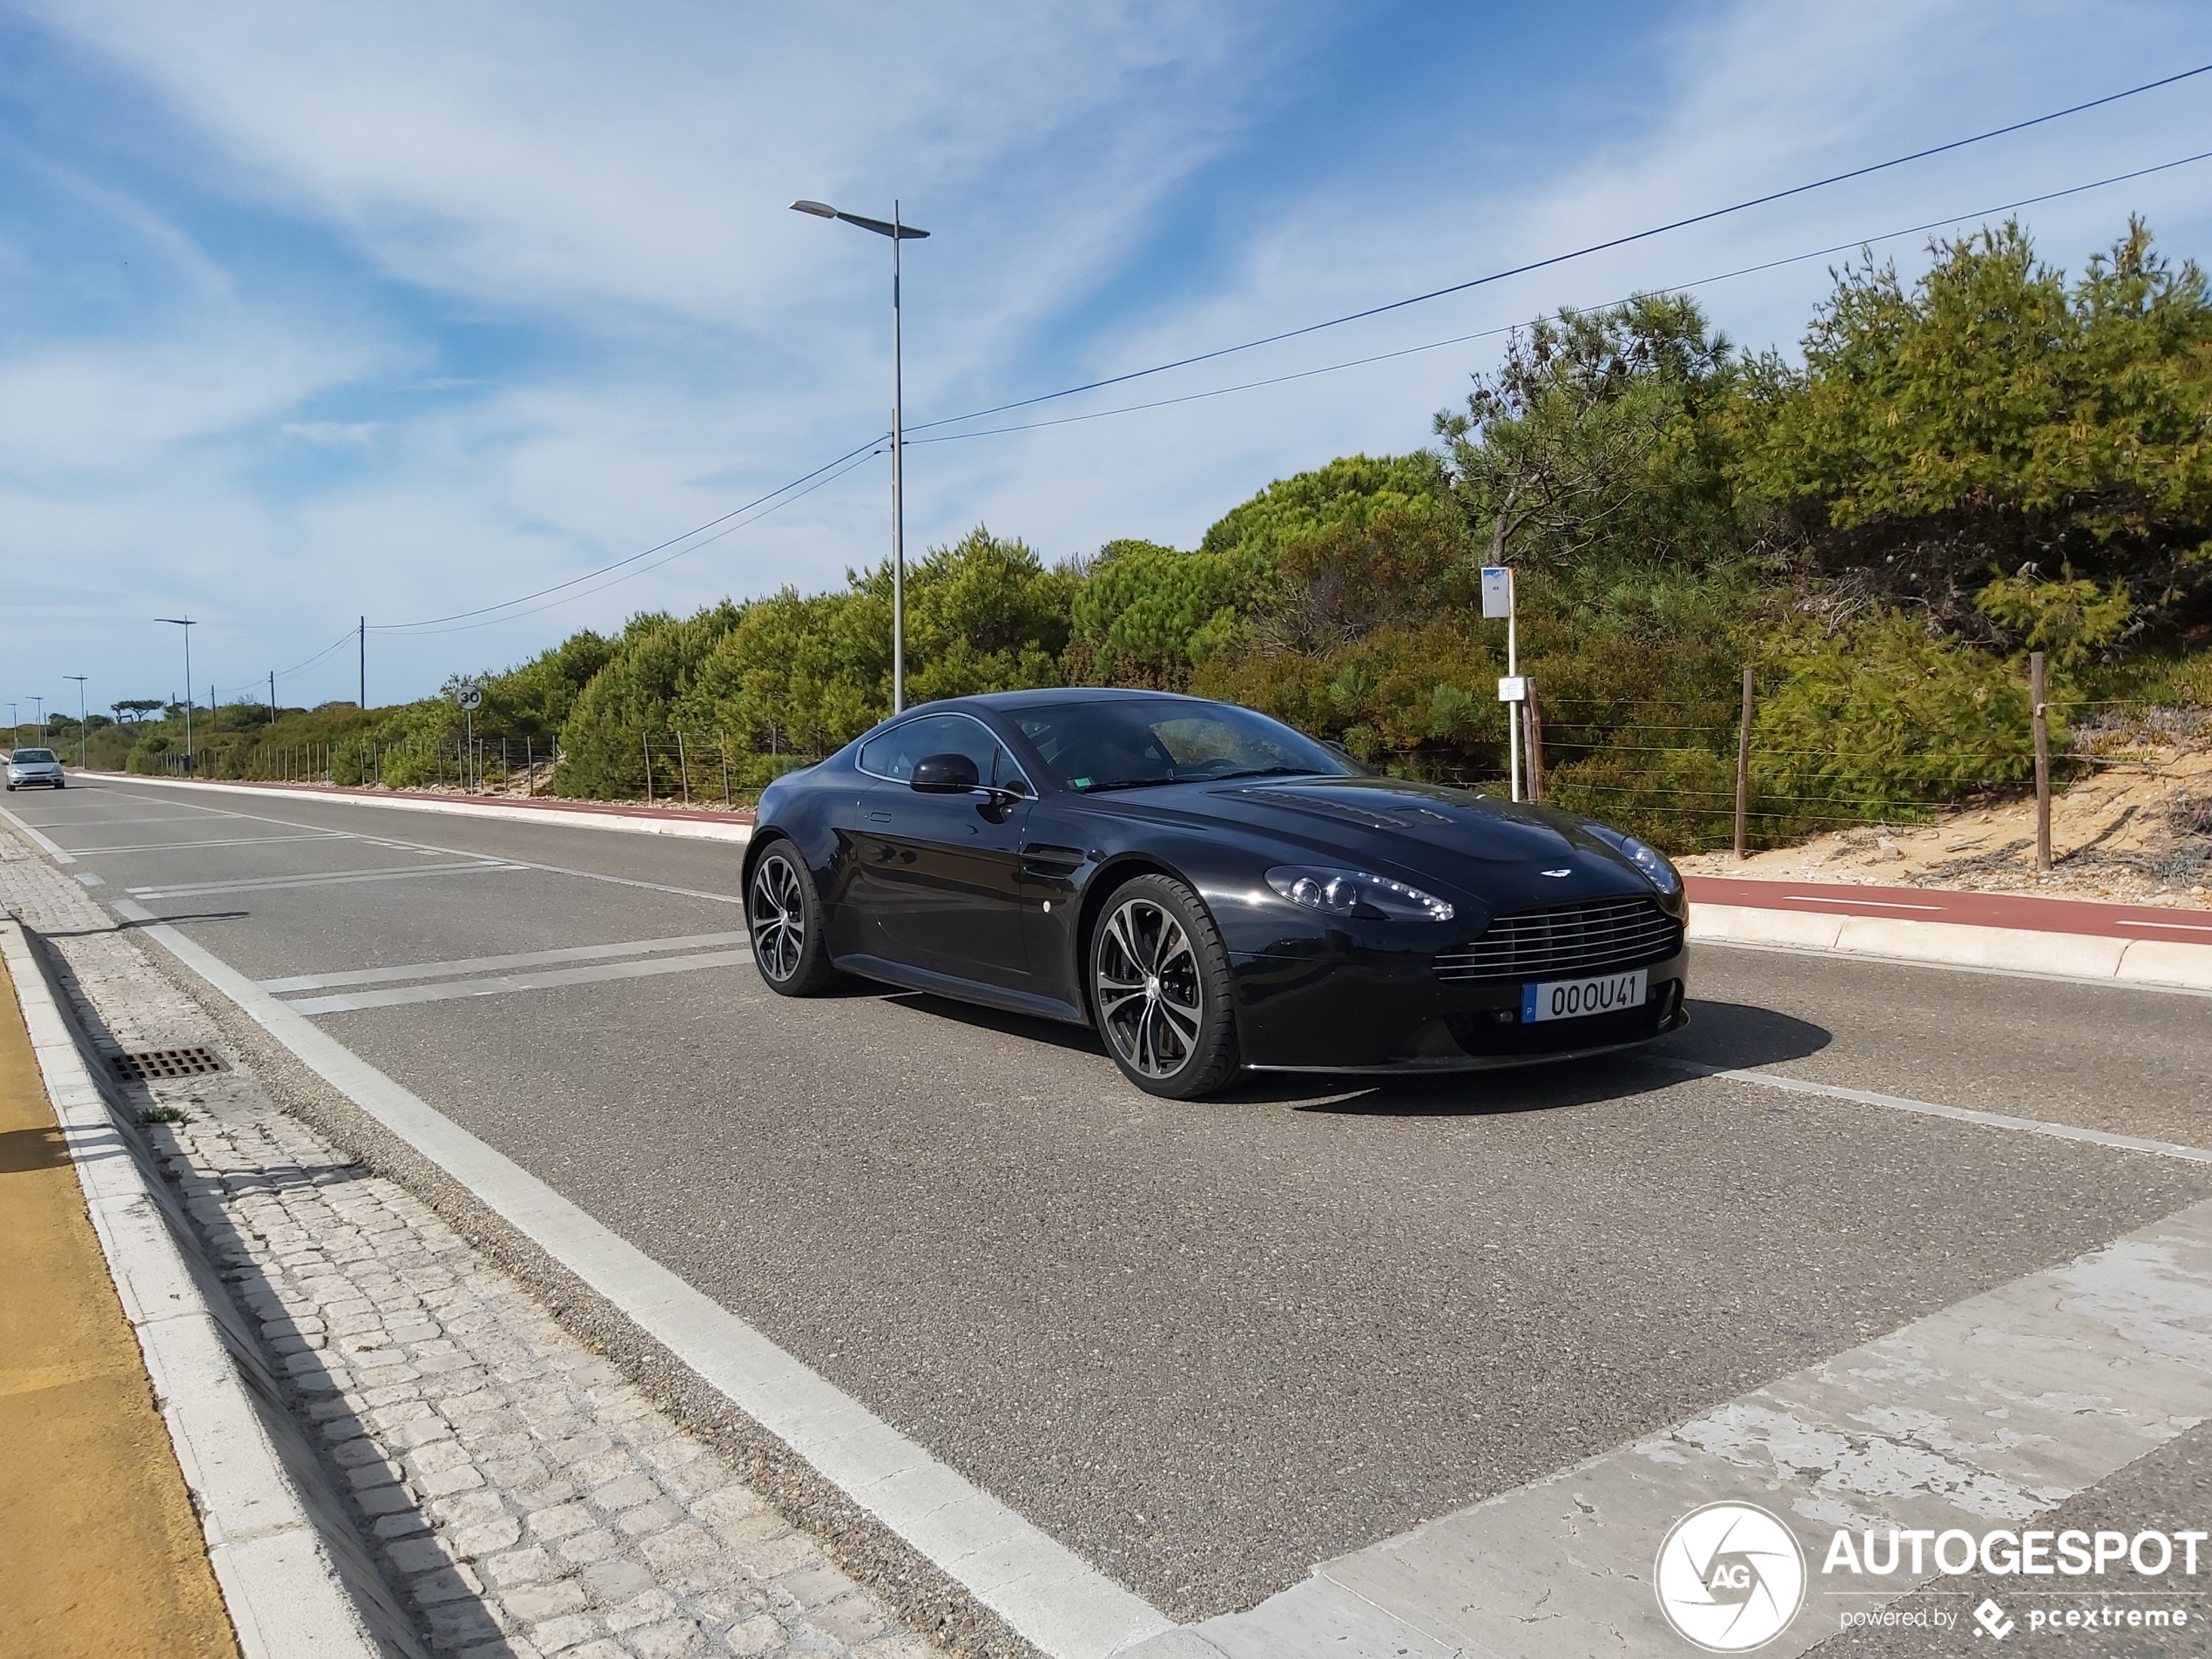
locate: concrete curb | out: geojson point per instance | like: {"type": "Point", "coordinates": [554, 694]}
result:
{"type": "Point", "coordinates": [2017, 950]}
{"type": "Point", "coordinates": [635, 823]}
{"type": "Point", "coordinates": [288, 1593]}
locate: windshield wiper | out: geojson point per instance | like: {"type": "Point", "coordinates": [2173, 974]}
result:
{"type": "Point", "coordinates": [1272, 771]}
{"type": "Point", "coordinates": [1130, 783]}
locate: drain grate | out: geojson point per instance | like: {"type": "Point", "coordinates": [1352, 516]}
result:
{"type": "Point", "coordinates": [154, 1064]}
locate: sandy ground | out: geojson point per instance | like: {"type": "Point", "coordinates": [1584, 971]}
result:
{"type": "Point", "coordinates": [2137, 830]}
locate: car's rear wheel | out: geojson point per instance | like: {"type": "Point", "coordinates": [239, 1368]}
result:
{"type": "Point", "coordinates": [784, 915]}
{"type": "Point", "coordinates": [1159, 989]}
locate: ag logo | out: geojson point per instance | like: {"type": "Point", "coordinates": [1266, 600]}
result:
{"type": "Point", "coordinates": [1730, 1577]}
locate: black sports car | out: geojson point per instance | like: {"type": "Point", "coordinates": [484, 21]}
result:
{"type": "Point", "coordinates": [1211, 890]}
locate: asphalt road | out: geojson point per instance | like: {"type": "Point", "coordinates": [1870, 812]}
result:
{"type": "Point", "coordinates": [1204, 1345]}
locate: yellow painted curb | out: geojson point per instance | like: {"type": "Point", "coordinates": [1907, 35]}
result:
{"type": "Point", "coordinates": [105, 1556]}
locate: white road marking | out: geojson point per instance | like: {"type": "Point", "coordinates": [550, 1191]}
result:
{"type": "Point", "coordinates": [489, 964]}
{"type": "Point", "coordinates": [1990, 1412]}
{"type": "Point", "coordinates": [1046, 1591]}
{"type": "Point", "coordinates": [461, 852]}
{"type": "Point", "coordinates": [1877, 904]}
{"type": "Point", "coordinates": [58, 854]}
{"type": "Point", "coordinates": [245, 840]}
{"type": "Point", "coordinates": [1828, 954]}
{"type": "Point", "coordinates": [454, 990]}
{"type": "Point", "coordinates": [1930, 1109]}
{"type": "Point", "coordinates": [333, 879]}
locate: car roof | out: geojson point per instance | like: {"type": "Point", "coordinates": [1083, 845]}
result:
{"type": "Point", "coordinates": [1006, 702]}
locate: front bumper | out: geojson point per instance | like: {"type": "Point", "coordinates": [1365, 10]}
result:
{"type": "Point", "coordinates": [1340, 1008]}
{"type": "Point", "coordinates": [40, 778]}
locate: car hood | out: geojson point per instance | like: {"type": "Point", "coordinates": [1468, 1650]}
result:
{"type": "Point", "coordinates": [1501, 855]}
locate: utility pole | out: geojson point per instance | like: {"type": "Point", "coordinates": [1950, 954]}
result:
{"type": "Point", "coordinates": [1513, 690]}
{"type": "Point", "coordinates": [84, 736]}
{"type": "Point", "coordinates": [2042, 731]}
{"type": "Point", "coordinates": [273, 696]}
{"type": "Point", "coordinates": [185, 623]}
{"type": "Point", "coordinates": [364, 650]}
{"type": "Point", "coordinates": [1744, 773]}
{"type": "Point", "coordinates": [899, 232]}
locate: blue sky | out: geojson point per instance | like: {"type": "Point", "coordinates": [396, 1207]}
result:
{"type": "Point", "coordinates": [404, 310]}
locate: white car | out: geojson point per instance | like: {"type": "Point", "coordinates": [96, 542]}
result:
{"type": "Point", "coordinates": [28, 766]}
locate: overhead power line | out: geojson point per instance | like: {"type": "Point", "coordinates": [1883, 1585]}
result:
{"type": "Point", "coordinates": [1574, 253]}
{"type": "Point", "coordinates": [427, 622]}
{"type": "Point", "coordinates": [1507, 328]}
{"type": "Point", "coordinates": [465, 619]}
{"type": "Point", "coordinates": [286, 673]}
{"type": "Point", "coordinates": [852, 458]}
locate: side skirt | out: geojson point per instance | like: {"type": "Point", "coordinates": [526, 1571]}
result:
{"type": "Point", "coordinates": [909, 978]}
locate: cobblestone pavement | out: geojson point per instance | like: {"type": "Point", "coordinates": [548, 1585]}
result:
{"type": "Point", "coordinates": [523, 1498]}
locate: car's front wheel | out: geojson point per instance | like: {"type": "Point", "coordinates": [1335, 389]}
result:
{"type": "Point", "coordinates": [1159, 989]}
{"type": "Point", "coordinates": [784, 915]}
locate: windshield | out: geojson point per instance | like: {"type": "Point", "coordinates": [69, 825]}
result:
{"type": "Point", "coordinates": [1126, 743]}
{"type": "Point", "coordinates": [22, 755]}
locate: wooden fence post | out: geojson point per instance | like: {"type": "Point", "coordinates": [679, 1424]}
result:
{"type": "Point", "coordinates": [648, 745]}
{"type": "Point", "coordinates": [1744, 773]}
{"type": "Point", "coordinates": [1535, 748]}
{"type": "Point", "coordinates": [2035, 689]}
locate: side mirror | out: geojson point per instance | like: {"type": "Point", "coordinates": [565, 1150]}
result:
{"type": "Point", "coordinates": [946, 774]}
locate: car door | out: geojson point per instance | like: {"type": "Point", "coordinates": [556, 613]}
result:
{"type": "Point", "coordinates": [941, 875]}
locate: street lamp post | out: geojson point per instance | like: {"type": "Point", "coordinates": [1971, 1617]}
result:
{"type": "Point", "coordinates": [185, 623]}
{"type": "Point", "coordinates": [898, 231]}
{"type": "Point", "coordinates": [84, 736]}
{"type": "Point", "coordinates": [38, 713]}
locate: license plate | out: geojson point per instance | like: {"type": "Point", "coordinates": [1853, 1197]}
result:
{"type": "Point", "coordinates": [1573, 999]}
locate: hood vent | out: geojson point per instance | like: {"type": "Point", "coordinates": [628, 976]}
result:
{"type": "Point", "coordinates": [1598, 936]}
{"type": "Point", "coordinates": [1352, 812]}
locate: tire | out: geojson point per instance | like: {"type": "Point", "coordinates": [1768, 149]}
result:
{"type": "Point", "coordinates": [1159, 989]}
{"type": "Point", "coordinates": [783, 920]}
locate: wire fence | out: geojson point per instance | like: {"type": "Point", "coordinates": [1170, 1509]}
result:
{"type": "Point", "coordinates": [1676, 774]}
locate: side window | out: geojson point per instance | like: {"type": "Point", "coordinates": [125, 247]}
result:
{"type": "Point", "coordinates": [893, 754]}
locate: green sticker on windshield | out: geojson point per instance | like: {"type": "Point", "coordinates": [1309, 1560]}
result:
{"type": "Point", "coordinates": [1083, 783]}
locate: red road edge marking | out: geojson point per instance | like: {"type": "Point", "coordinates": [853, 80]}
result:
{"type": "Point", "coordinates": [1972, 909]}
{"type": "Point", "coordinates": [605, 809]}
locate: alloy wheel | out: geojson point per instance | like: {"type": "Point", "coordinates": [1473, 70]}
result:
{"type": "Point", "coordinates": [776, 910]}
{"type": "Point", "coordinates": [1149, 994]}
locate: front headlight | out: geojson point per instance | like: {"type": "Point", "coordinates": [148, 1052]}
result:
{"type": "Point", "coordinates": [1346, 892]}
{"type": "Point", "coordinates": [1662, 874]}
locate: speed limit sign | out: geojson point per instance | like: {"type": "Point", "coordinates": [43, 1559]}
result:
{"type": "Point", "coordinates": [469, 696]}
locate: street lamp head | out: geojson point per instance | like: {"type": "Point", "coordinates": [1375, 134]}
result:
{"type": "Point", "coordinates": [881, 226]}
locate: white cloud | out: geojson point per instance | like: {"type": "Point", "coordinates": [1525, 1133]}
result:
{"type": "Point", "coordinates": [608, 188]}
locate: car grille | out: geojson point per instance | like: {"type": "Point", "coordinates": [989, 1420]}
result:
{"type": "Point", "coordinates": [1592, 938]}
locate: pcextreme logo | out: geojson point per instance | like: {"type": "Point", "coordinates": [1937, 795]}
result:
{"type": "Point", "coordinates": [1730, 1577]}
